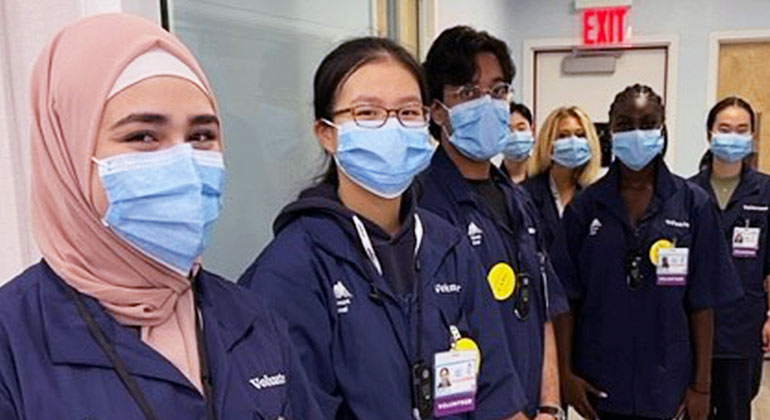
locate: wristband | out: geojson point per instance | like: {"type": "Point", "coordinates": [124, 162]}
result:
{"type": "Point", "coordinates": [552, 410]}
{"type": "Point", "coordinates": [698, 391]}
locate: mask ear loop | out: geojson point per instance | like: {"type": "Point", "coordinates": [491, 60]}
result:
{"type": "Point", "coordinates": [330, 123]}
{"type": "Point", "coordinates": [443, 126]}
{"type": "Point", "coordinates": [102, 164]}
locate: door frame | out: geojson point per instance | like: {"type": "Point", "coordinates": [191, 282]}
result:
{"type": "Point", "coordinates": [716, 40]}
{"type": "Point", "coordinates": [669, 41]}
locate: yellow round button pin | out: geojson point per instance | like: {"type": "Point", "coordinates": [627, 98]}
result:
{"type": "Point", "coordinates": [468, 344]}
{"type": "Point", "coordinates": [502, 280]}
{"type": "Point", "coordinates": [656, 247]}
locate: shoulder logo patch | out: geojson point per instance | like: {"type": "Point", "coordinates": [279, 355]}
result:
{"type": "Point", "coordinates": [343, 297]}
{"type": "Point", "coordinates": [475, 234]}
{"type": "Point", "coordinates": [594, 227]}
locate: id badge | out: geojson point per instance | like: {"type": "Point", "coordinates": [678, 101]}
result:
{"type": "Point", "coordinates": [672, 266]}
{"type": "Point", "coordinates": [454, 382]}
{"type": "Point", "coordinates": [745, 242]}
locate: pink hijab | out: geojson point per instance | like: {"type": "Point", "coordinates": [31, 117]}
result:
{"type": "Point", "coordinates": [70, 86]}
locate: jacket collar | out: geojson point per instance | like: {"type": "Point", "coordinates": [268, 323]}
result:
{"type": "Point", "coordinates": [326, 234]}
{"type": "Point", "coordinates": [70, 342]}
{"type": "Point", "coordinates": [607, 190]}
{"type": "Point", "coordinates": [748, 185]}
{"type": "Point", "coordinates": [444, 170]}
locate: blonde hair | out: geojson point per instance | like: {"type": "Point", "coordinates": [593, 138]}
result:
{"type": "Point", "coordinates": [541, 158]}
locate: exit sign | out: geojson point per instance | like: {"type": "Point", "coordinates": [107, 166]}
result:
{"type": "Point", "coordinates": [605, 26]}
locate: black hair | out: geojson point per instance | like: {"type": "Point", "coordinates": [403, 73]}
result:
{"type": "Point", "coordinates": [730, 101]}
{"type": "Point", "coordinates": [523, 110]}
{"type": "Point", "coordinates": [339, 64]}
{"type": "Point", "coordinates": [630, 94]}
{"type": "Point", "coordinates": [451, 60]}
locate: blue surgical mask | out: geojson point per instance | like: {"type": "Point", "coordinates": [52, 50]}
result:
{"type": "Point", "coordinates": [384, 160]}
{"type": "Point", "coordinates": [731, 147]}
{"type": "Point", "coordinates": [519, 145]}
{"type": "Point", "coordinates": [571, 152]}
{"type": "Point", "coordinates": [479, 127]}
{"type": "Point", "coordinates": [164, 203]}
{"type": "Point", "coordinates": [637, 148]}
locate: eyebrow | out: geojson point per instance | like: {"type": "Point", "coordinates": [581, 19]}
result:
{"type": "Point", "coordinates": [204, 119]}
{"type": "Point", "coordinates": [376, 100]}
{"type": "Point", "coordinates": [147, 118]}
{"type": "Point", "coordinates": [151, 118]}
{"type": "Point", "coordinates": [373, 99]}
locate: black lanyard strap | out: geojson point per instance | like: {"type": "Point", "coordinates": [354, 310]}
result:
{"type": "Point", "coordinates": [128, 380]}
{"type": "Point", "coordinates": [112, 355]}
{"type": "Point", "coordinates": [206, 379]}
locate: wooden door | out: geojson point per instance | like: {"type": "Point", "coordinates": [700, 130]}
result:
{"type": "Point", "coordinates": [744, 72]}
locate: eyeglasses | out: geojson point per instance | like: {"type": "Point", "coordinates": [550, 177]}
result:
{"type": "Point", "coordinates": [500, 90]}
{"type": "Point", "coordinates": [374, 116]}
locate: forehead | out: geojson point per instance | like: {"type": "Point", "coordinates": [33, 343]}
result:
{"type": "Point", "coordinates": [517, 118]}
{"type": "Point", "coordinates": [569, 121]}
{"type": "Point", "coordinates": [488, 69]}
{"type": "Point", "coordinates": [385, 79]}
{"type": "Point", "coordinates": [639, 106]}
{"type": "Point", "coordinates": [734, 115]}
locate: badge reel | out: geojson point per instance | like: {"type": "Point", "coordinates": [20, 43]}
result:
{"type": "Point", "coordinates": [422, 387]}
{"type": "Point", "coordinates": [521, 307]}
{"type": "Point", "coordinates": [634, 275]}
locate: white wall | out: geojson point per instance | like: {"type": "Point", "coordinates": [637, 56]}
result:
{"type": "Point", "coordinates": [260, 56]}
{"type": "Point", "coordinates": [493, 16]}
{"type": "Point", "coordinates": [25, 27]}
{"type": "Point", "coordinates": [692, 20]}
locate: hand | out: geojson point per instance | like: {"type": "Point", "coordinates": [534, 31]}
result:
{"type": "Point", "coordinates": [766, 336]}
{"type": "Point", "coordinates": [576, 390]}
{"type": "Point", "coordinates": [696, 404]}
{"type": "Point", "coordinates": [520, 416]}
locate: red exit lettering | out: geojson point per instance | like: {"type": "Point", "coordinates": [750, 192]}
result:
{"type": "Point", "coordinates": [605, 26]}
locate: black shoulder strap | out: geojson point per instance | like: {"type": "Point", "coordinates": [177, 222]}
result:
{"type": "Point", "coordinates": [112, 355]}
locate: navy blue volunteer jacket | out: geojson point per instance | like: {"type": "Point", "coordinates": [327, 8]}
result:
{"type": "Point", "coordinates": [356, 337]}
{"type": "Point", "coordinates": [444, 191]}
{"type": "Point", "coordinates": [739, 325]}
{"type": "Point", "coordinates": [539, 189]}
{"type": "Point", "coordinates": [51, 368]}
{"type": "Point", "coordinates": [635, 344]}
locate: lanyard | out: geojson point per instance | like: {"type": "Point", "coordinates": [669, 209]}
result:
{"type": "Point", "coordinates": [120, 368]}
{"type": "Point", "coordinates": [372, 255]}
{"type": "Point", "coordinates": [421, 376]}
{"type": "Point", "coordinates": [367, 243]}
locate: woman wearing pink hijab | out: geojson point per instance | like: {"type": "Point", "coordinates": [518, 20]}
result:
{"type": "Point", "coordinates": [119, 321]}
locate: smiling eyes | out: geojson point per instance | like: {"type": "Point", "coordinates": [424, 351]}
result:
{"type": "Point", "coordinates": [149, 136]}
